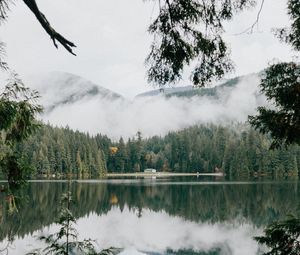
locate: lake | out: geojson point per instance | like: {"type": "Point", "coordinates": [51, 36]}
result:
{"type": "Point", "coordinates": [152, 216]}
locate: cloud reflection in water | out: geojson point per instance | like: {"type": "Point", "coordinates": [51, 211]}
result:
{"type": "Point", "coordinates": [158, 231]}
{"type": "Point", "coordinates": [152, 233]}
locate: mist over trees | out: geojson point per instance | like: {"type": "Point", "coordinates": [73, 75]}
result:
{"type": "Point", "coordinates": [185, 32]}
{"type": "Point", "coordinates": [188, 32]}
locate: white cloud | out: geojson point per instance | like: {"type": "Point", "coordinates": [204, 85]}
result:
{"type": "Point", "coordinates": [113, 43]}
{"type": "Point", "coordinates": [156, 115]}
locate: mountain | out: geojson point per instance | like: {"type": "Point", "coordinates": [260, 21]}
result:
{"type": "Point", "coordinates": [71, 100]}
{"type": "Point", "coordinates": [60, 88]}
{"type": "Point", "coordinates": [166, 91]}
{"type": "Point", "coordinates": [190, 91]}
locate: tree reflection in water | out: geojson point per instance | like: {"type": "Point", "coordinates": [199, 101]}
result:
{"type": "Point", "coordinates": [255, 203]}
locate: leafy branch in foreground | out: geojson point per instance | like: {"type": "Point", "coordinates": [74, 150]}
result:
{"type": "Point", "coordinates": [291, 34]}
{"type": "Point", "coordinates": [18, 110]}
{"type": "Point", "coordinates": [282, 237]}
{"type": "Point", "coordinates": [65, 241]}
{"type": "Point", "coordinates": [281, 85]}
{"type": "Point", "coordinates": [191, 31]}
{"type": "Point", "coordinates": [185, 32]}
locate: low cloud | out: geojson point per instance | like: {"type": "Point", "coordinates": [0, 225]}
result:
{"type": "Point", "coordinates": [158, 115]}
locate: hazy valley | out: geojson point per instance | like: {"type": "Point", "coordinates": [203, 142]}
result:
{"type": "Point", "coordinates": [71, 100]}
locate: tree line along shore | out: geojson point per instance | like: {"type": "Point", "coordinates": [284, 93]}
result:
{"type": "Point", "coordinates": [235, 151]}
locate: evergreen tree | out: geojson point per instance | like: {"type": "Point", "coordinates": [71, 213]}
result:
{"type": "Point", "coordinates": [18, 111]}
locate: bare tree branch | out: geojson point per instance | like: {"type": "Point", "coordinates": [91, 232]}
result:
{"type": "Point", "coordinates": [55, 36]}
{"type": "Point", "coordinates": [251, 28]}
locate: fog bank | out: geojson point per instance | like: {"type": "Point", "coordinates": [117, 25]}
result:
{"type": "Point", "coordinates": [157, 115]}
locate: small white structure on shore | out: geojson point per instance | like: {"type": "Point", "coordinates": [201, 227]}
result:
{"type": "Point", "coordinates": [150, 170]}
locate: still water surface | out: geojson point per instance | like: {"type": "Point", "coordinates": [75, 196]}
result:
{"type": "Point", "coordinates": [144, 216]}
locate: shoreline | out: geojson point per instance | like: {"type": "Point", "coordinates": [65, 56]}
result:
{"type": "Point", "coordinates": [133, 175]}
{"type": "Point", "coordinates": [160, 174]}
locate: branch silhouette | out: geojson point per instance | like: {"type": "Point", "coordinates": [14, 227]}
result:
{"type": "Point", "coordinates": [55, 36]}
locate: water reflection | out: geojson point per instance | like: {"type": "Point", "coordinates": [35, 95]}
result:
{"type": "Point", "coordinates": [158, 218]}
{"type": "Point", "coordinates": [158, 232]}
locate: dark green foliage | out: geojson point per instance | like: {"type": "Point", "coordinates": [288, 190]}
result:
{"type": "Point", "coordinates": [282, 237]}
{"type": "Point", "coordinates": [16, 170]}
{"type": "Point", "coordinates": [18, 110]}
{"type": "Point", "coordinates": [292, 35]}
{"type": "Point", "coordinates": [187, 31]}
{"type": "Point", "coordinates": [238, 151]}
{"type": "Point", "coordinates": [62, 151]}
{"type": "Point", "coordinates": [281, 85]}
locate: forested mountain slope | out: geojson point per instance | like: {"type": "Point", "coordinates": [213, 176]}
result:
{"type": "Point", "coordinates": [74, 101]}
{"type": "Point", "coordinates": [60, 88]}
{"type": "Point", "coordinates": [190, 91]}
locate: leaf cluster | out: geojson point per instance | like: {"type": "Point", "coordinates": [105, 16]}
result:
{"type": "Point", "coordinates": [282, 237]}
{"type": "Point", "coordinates": [281, 85]}
{"type": "Point", "coordinates": [291, 35]}
{"type": "Point", "coordinates": [188, 31]}
{"type": "Point", "coordinates": [18, 110]}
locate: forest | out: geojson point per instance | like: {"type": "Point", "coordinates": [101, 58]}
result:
{"type": "Point", "coordinates": [237, 150]}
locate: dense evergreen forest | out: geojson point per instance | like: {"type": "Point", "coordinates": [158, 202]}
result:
{"type": "Point", "coordinates": [238, 151]}
{"type": "Point", "coordinates": [63, 151]}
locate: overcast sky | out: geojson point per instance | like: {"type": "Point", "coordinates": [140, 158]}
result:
{"type": "Point", "coordinates": [112, 40]}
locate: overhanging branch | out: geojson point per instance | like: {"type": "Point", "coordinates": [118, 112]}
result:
{"type": "Point", "coordinates": [251, 28]}
{"type": "Point", "coordinates": [55, 36]}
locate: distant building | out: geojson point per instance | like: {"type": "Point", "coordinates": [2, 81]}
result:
{"type": "Point", "coordinates": [150, 170]}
